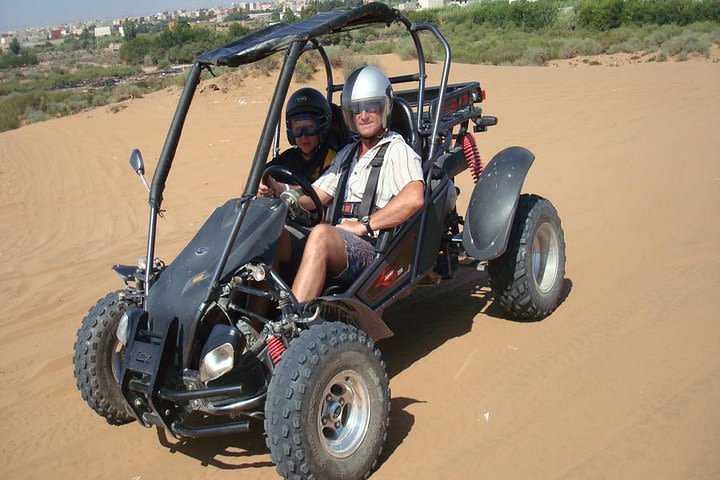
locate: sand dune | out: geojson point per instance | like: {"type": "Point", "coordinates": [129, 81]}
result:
{"type": "Point", "coordinates": [622, 381]}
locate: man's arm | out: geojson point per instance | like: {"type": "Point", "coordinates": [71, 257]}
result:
{"type": "Point", "coordinates": [307, 203]}
{"type": "Point", "coordinates": [400, 208]}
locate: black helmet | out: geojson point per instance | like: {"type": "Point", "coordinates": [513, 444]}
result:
{"type": "Point", "coordinates": [308, 101]}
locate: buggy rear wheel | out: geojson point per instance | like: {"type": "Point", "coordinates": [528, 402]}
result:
{"type": "Point", "coordinates": [97, 359]}
{"type": "Point", "coordinates": [527, 279]}
{"type": "Point", "coordinates": [328, 403]}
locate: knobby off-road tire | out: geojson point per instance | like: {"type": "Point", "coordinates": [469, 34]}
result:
{"type": "Point", "coordinates": [96, 349]}
{"type": "Point", "coordinates": [328, 405]}
{"type": "Point", "coordinates": [527, 279]}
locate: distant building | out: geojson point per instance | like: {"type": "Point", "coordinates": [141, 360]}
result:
{"type": "Point", "coordinates": [5, 39]}
{"type": "Point", "coordinates": [407, 7]}
{"type": "Point", "coordinates": [425, 4]}
{"type": "Point", "coordinates": [56, 33]}
{"type": "Point", "coordinates": [103, 31]}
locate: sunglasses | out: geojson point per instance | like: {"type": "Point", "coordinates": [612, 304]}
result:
{"type": "Point", "coordinates": [369, 106]}
{"type": "Point", "coordinates": [304, 126]}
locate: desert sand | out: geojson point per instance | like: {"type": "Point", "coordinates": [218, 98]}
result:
{"type": "Point", "coordinates": [621, 382]}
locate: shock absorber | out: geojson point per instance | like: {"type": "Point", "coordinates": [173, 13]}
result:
{"type": "Point", "coordinates": [472, 156]}
{"type": "Point", "coordinates": [276, 348]}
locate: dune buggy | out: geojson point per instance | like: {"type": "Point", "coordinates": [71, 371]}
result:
{"type": "Point", "coordinates": [180, 347]}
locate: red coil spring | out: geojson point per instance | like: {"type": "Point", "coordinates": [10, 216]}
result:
{"type": "Point", "coordinates": [276, 347]}
{"type": "Point", "coordinates": [472, 156]}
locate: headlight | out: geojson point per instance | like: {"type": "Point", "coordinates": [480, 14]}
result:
{"type": "Point", "coordinates": [122, 329]}
{"type": "Point", "coordinates": [217, 362]}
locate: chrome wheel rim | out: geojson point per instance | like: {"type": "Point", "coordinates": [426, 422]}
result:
{"type": "Point", "coordinates": [545, 257]}
{"type": "Point", "coordinates": [344, 414]}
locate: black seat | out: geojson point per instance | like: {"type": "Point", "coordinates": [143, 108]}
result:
{"type": "Point", "coordinates": [338, 135]}
{"type": "Point", "coordinates": [402, 121]}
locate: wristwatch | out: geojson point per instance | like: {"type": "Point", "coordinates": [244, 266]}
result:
{"type": "Point", "coordinates": [366, 221]}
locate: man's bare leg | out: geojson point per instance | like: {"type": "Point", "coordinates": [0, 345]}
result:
{"type": "Point", "coordinates": [324, 253]}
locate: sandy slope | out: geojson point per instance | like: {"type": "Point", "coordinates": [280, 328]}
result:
{"type": "Point", "coordinates": [620, 382]}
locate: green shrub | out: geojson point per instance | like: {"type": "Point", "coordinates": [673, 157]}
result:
{"type": "Point", "coordinates": [306, 67]}
{"type": "Point", "coordinates": [125, 92]}
{"type": "Point", "coordinates": [533, 56]}
{"type": "Point", "coordinates": [135, 50]}
{"type": "Point", "coordinates": [378, 48]}
{"type": "Point", "coordinates": [265, 66]}
{"type": "Point", "coordinates": [632, 44]}
{"type": "Point", "coordinates": [609, 14]}
{"type": "Point", "coordinates": [337, 55]}
{"type": "Point", "coordinates": [24, 58]}
{"type": "Point", "coordinates": [581, 46]}
{"type": "Point", "coordinates": [406, 49]}
{"type": "Point", "coordinates": [685, 44]}
{"type": "Point", "coordinates": [353, 63]}
{"type": "Point", "coordinates": [35, 116]}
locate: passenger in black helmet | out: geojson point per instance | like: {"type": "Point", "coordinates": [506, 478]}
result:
{"type": "Point", "coordinates": [378, 180]}
{"type": "Point", "coordinates": [307, 121]}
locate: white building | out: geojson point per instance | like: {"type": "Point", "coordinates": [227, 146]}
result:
{"type": "Point", "coordinates": [424, 4]}
{"type": "Point", "coordinates": [5, 40]}
{"type": "Point", "coordinates": [103, 31]}
{"type": "Point", "coordinates": [407, 7]}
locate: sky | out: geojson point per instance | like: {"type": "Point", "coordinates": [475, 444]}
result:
{"type": "Point", "coordinates": [18, 14]}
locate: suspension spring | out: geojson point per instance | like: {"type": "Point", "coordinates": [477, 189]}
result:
{"type": "Point", "coordinates": [472, 156]}
{"type": "Point", "coordinates": [276, 348]}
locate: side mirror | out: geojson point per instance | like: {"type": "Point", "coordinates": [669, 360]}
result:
{"type": "Point", "coordinates": [136, 162]}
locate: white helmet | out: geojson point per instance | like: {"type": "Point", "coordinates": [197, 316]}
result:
{"type": "Point", "coordinates": [367, 88]}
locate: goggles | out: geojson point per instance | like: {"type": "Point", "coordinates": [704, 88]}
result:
{"type": "Point", "coordinates": [369, 106]}
{"type": "Point", "coordinates": [304, 125]}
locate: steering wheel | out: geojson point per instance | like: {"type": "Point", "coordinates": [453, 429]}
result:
{"type": "Point", "coordinates": [311, 218]}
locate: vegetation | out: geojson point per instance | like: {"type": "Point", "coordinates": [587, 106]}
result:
{"type": "Point", "coordinates": [532, 33]}
{"type": "Point", "coordinates": [8, 60]}
{"type": "Point", "coordinates": [47, 81]}
{"type": "Point", "coordinates": [177, 44]}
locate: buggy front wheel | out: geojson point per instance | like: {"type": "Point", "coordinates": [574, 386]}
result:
{"type": "Point", "coordinates": [328, 402]}
{"type": "Point", "coordinates": [97, 359]}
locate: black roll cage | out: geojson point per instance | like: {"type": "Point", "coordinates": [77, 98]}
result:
{"type": "Point", "coordinates": [294, 40]}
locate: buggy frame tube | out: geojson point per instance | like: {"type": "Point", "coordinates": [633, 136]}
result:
{"type": "Point", "coordinates": [163, 169]}
{"type": "Point", "coordinates": [421, 66]}
{"type": "Point", "coordinates": [328, 69]}
{"type": "Point", "coordinates": [251, 187]}
{"type": "Point", "coordinates": [443, 80]}
{"type": "Point", "coordinates": [433, 137]}
{"type": "Point", "coordinates": [421, 74]}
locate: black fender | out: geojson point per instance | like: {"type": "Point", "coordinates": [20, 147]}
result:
{"type": "Point", "coordinates": [492, 206]}
{"type": "Point", "coordinates": [352, 311]}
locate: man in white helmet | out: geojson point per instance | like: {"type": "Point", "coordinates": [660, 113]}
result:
{"type": "Point", "coordinates": [378, 180]}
